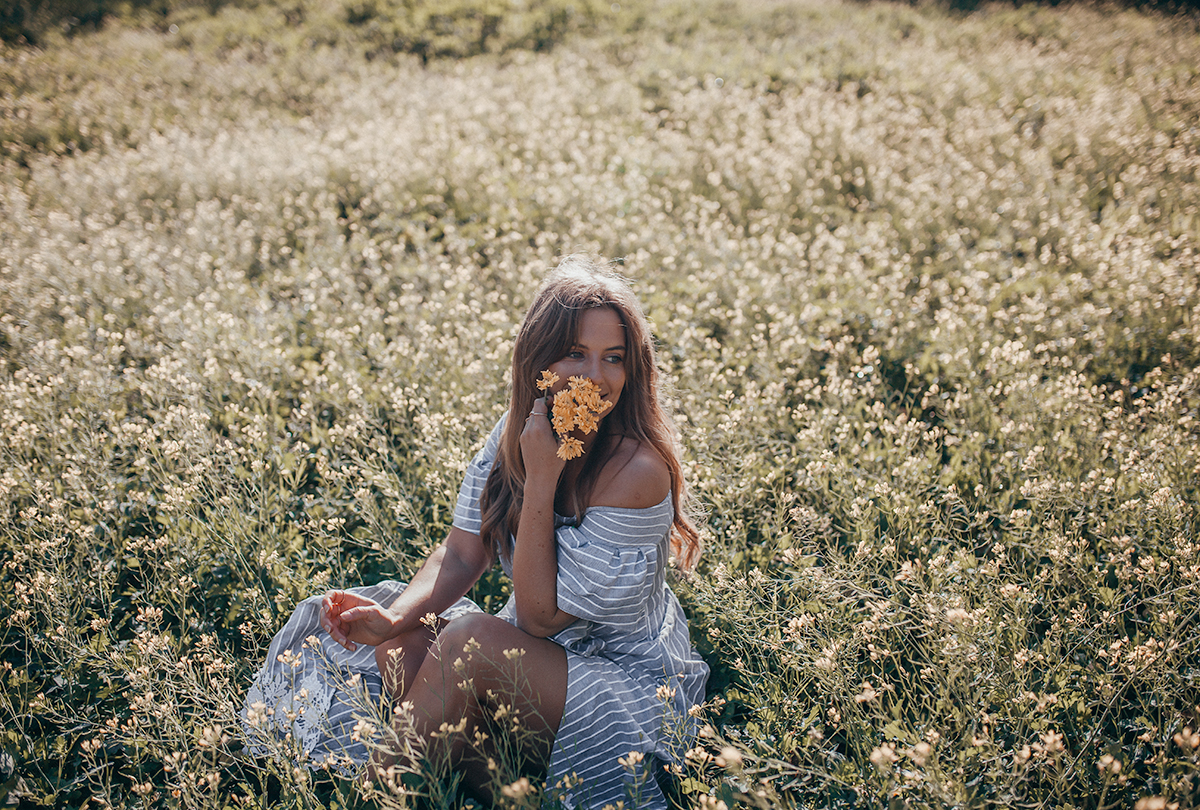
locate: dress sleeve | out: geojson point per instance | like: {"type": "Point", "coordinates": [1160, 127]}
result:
{"type": "Point", "coordinates": [466, 512]}
{"type": "Point", "coordinates": [609, 565]}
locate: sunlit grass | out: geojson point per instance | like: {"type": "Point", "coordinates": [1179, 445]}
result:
{"type": "Point", "coordinates": [925, 286]}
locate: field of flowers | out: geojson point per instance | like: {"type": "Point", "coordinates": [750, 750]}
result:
{"type": "Point", "coordinates": [927, 286]}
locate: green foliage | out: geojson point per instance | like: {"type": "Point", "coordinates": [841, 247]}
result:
{"type": "Point", "coordinates": [37, 22]}
{"type": "Point", "coordinates": [464, 27]}
{"type": "Point", "coordinates": [26, 20]}
{"type": "Point", "coordinates": [926, 288]}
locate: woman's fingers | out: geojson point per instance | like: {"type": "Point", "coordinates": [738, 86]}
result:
{"type": "Point", "coordinates": [352, 614]}
{"type": "Point", "coordinates": [537, 423]}
{"type": "Point", "coordinates": [537, 414]}
{"type": "Point", "coordinates": [339, 635]}
{"type": "Point", "coordinates": [332, 603]}
{"type": "Point", "coordinates": [539, 445]}
{"type": "Point", "coordinates": [333, 618]}
{"type": "Point", "coordinates": [344, 614]}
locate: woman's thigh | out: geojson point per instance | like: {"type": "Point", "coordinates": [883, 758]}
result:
{"type": "Point", "coordinates": [507, 671]}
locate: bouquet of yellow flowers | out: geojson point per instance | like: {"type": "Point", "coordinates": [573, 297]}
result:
{"type": "Point", "coordinates": [577, 406]}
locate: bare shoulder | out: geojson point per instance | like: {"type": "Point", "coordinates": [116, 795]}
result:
{"type": "Point", "coordinates": [640, 478]}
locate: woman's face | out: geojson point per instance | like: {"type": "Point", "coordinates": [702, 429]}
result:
{"type": "Point", "coordinates": [599, 353]}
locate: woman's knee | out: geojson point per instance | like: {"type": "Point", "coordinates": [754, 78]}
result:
{"type": "Point", "coordinates": [482, 646]}
{"type": "Point", "coordinates": [466, 635]}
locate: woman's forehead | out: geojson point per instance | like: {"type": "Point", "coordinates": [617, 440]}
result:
{"type": "Point", "coordinates": [602, 327]}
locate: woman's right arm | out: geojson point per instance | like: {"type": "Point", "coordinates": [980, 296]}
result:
{"type": "Point", "coordinates": [449, 572]}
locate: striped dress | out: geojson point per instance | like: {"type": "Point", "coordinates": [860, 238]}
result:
{"type": "Point", "coordinates": [632, 674]}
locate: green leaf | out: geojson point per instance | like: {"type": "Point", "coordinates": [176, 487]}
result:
{"type": "Point", "coordinates": [892, 731]}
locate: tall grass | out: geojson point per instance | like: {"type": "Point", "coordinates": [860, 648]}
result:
{"type": "Point", "coordinates": [925, 285]}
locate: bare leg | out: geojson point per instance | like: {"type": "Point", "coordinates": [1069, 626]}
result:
{"type": "Point", "coordinates": [400, 658]}
{"type": "Point", "coordinates": [483, 676]}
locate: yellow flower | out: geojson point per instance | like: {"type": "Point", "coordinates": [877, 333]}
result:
{"type": "Point", "coordinates": [587, 421]}
{"type": "Point", "coordinates": [570, 448]}
{"type": "Point", "coordinates": [562, 421]}
{"type": "Point", "coordinates": [632, 760]}
{"type": "Point", "coordinates": [548, 379]}
{"type": "Point", "coordinates": [518, 789]}
{"type": "Point", "coordinates": [578, 406]}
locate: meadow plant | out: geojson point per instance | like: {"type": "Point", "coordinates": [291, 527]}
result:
{"type": "Point", "coordinates": [926, 286]}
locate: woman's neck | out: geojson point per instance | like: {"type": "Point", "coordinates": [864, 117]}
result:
{"type": "Point", "coordinates": [589, 470]}
{"type": "Point", "coordinates": [567, 495]}
{"type": "Point", "coordinates": [568, 500]}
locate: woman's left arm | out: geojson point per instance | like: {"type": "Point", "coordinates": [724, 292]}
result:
{"type": "Point", "coordinates": [535, 554]}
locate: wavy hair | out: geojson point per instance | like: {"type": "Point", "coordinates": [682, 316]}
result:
{"type": "Point", "coordinates": [549, 330]}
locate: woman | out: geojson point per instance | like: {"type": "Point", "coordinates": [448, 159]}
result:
{"type": "Point", "coordinates": [591, 653]}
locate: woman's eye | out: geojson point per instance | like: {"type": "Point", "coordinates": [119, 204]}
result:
{"type": "Point", "coordinates": [616, 358]}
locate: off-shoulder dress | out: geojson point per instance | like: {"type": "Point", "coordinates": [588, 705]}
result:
{"type": "Point", "coordinates": [632, 674]}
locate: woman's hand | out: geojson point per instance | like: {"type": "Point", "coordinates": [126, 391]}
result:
{"type": "Point", "coordinates": [352, 620]}
{"type": "Point", "coordinates": [539, 448]}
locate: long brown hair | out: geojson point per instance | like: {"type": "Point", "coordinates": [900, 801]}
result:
{"type": "Point", "coordinates": [550, 329]}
